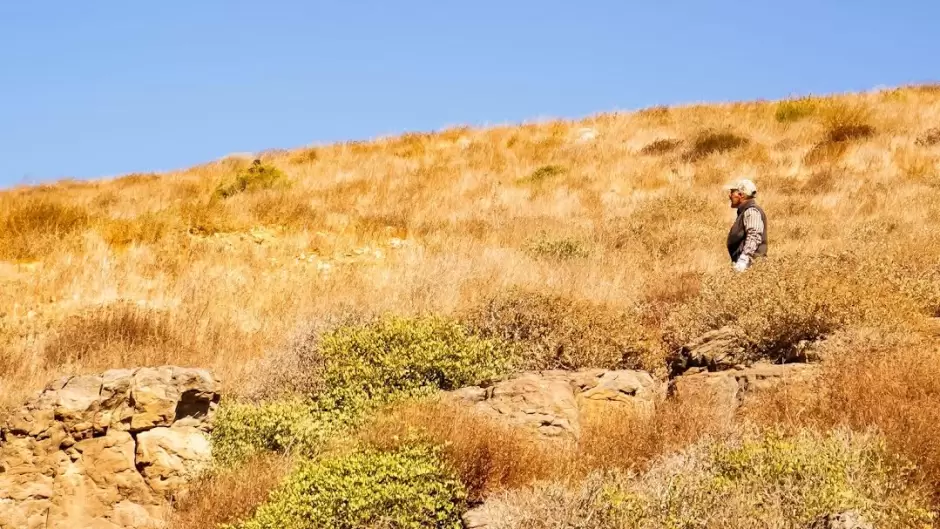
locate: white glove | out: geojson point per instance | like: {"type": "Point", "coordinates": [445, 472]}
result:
{"type": "Point", "coordinates": [741, 264]}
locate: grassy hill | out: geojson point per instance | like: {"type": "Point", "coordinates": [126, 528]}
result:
{"type": "Point", "coordinates": [597, 243]}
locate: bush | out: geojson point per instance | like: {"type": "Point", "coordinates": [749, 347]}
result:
{"type": "Point", "coordinates": [149, 228]}
{"type": "Point", "coordinates": [784, 304]}
{"type": "Point", "coordinates": [793, 110]}
{"type": "Point", "coordinates": [352, 369]}
{"type": "Point", "coordinates": [558, 332]}
{"type": "Point", "coordinates": [660, 147]}
{"type": "Point", "coordinates": [31, 226]}
{"type": "Point", "coordinates": [297, 425]}
{"type": "Point", "coordinates": [558, 249]}
{"type": "Point", "coordinates": [751, 480]}
{"type": "Point", "coordinates": [405, 489]}
{"type": "Point", "coordinates": [396, 356]}
{"type": "Point", "coordinates": [709, 142]}
{"type": "Point", "coordinates": [843, 124]}
{"type": "Point", "coordinates": [258, 176]}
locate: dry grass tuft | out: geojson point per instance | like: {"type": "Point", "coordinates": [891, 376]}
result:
{"type": "Point", "coordinates": [116, 335]}
{"type": "Point", "coordinates": [708, 142]}
{"type": "Point", "coordinates": [231, 495]}
{"type": "Point", "coordinates": [929, 138]}
{"type": "Point", "coordinates": [660, 147]}
{"type": "Point", "coordinates": [33, 226]}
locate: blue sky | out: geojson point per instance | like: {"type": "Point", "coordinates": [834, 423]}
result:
{"type": "Point", "coordinates": [106, 87]}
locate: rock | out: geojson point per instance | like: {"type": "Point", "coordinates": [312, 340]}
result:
{"type": "Point", "coordinates": [844, 520]}
{"type": "Point", "coordinates": [716, 350]}
{"type": "Point", "coordinates": [553, 404]}
{"type": "Point", "coordinates": [105, 450]}
{"type": "Point", "coordinates": [727, 390]}
{"type": "Point", "coordinates": [168, 458]}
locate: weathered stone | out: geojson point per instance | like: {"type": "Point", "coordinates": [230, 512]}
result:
{"type": "Point", "coordinates": [725, 391]}
{"type": "Point", "coordinates": [715, 350]}
{"type": "Point", "coordinates": [552, 403]}
{"type": "Point", "coordinates": [170, 457]}
{"type": "Point", "coordinates": [68, 457]}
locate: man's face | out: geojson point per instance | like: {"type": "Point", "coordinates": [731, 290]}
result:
{"type": "Point", "coordinates": [737, 198]}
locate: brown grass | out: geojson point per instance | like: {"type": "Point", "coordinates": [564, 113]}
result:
{"type": "Point", "coordinates": [228, 496]}
{"type": "Point", "coordinates": [893, 385]}
{"type": "Point", "coordinates": [487, 456]}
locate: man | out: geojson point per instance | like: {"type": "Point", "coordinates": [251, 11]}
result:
{"type": "Point", "coordinates": [747, 239]}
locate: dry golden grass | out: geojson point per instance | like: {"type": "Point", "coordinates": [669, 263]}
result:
{"type": "Point", "coordinates": [442, 222]}
{"type": "Point", "coordinates": [228, 496]}
{"type": "Point", "coordinates": [890, 384]}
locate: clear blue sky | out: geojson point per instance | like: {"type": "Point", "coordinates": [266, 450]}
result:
{"type": "Point", "coordinates": [99, 88]}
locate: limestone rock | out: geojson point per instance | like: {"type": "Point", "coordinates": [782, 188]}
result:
{"type": "Point", "coordinates": [553, 404]}
{"type": "Point", "coordinates": [105, 450]}
{"type": "Point", "coordinates": [170, 457]}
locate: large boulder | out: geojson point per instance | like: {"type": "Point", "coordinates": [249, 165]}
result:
{"type": "Point", "coordinates": [553, 404]}
{"type": "Point", "coordinates": [105, 450]}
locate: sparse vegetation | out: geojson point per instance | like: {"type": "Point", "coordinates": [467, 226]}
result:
{"type": "Point", "coordinates": [558, 249]}
{"type": "Point", "coordinates": [258, 176]}
{"type": "Point", "coordinates": [792, 110]}
{"type": "Point", "coordinates": [929, 138]}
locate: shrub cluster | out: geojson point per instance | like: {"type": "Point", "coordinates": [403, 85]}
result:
{"type": "Point", "coordinates": [409, 488]}
{"type": "Point", "coordinates": [258, 176]}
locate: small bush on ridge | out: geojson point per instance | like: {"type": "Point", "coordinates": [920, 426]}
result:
{"type": "Point", "coordinates": [409, 488]}
{"type": "Point", "coordinates": [258, 176]}
{"type": "Point", "coordinates": [793, 110]}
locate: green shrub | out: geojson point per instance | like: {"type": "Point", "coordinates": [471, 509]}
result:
{"type": "Point", "coordinates": [406, 489]}
{"type": "Point", "coordinates": [297, 425]}
{"type": "Point", "coordinates": [396, 356]}
{"type": "Point", "coordinates": [258, 176]}
{"type": "Point", "coordinates": [558, 332]}
{"type": "Point", "coordinates": [559, 249]}
{"type": "Point", "coordinates": [793, 110]}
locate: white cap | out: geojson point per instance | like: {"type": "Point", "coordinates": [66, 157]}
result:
{"type": "Point", "coordinates": [743, 185]}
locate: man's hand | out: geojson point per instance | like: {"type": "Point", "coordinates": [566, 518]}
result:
{"type": "Point", "coordinates": [741, 264]}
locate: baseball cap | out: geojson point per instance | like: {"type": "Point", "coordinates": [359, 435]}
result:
{"type": "Point", "coordinates": [743, 185]}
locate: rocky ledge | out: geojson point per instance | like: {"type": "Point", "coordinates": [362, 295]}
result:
{"type": "Point", "coordinates": [105, 451]}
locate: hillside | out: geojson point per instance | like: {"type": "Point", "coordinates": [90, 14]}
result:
{"type": "Point", "coordinates": [589, 244]}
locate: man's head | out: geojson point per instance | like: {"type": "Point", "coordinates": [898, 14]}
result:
{"type": "Point", "coordinates": [740, 191]}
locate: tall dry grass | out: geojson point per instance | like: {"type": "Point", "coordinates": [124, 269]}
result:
{"type": "Point", "coordinates": [442, 222]}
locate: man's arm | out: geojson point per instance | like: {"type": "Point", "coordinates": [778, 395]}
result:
{"type": "Point", "coordinates": [754, 226]}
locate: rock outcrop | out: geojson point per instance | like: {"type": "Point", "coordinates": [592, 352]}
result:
{"type": "Point", "coordinates": [105, 451]}
{"type": "Point", "coordinates": [727, 390]}
{"type": "Point", "coordinates": [553, 404]}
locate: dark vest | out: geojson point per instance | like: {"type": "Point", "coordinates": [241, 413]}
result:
{"type": "Point", "coordinates": [738, 233]}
